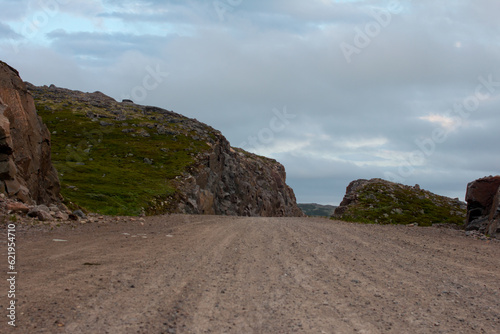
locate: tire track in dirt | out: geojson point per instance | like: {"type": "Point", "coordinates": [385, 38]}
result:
{"type": "Point", "coordinates": [394, 272]}
{"type": "Point", "coordinates": [208, 274]}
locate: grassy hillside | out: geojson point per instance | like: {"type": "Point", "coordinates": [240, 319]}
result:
{"type": "Point", "coordinates": [384, 202]}
{"type": "Point", "coordinates": [118, 158]}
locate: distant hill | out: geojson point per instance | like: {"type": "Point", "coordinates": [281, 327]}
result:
{"type": "Point", "coordinates": [313, 209]}
{"type": "Point", "coordinates": [382, 202]}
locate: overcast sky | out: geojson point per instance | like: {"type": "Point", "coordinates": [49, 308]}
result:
{"type": "Point", "coordinates": [335, 90]}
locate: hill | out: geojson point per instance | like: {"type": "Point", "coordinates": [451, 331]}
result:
{"type": "Point", "coordinates": [383, 202]}
{"type": "Point", "coordinates": [317, 210]}
{"type": "Point", "coordinates": [120, 158]}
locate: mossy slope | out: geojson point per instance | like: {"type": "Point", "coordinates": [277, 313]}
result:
{"type": "Point", "coordinates": [384, 202]}
{"type": "Point", "coordinates": [118, 158]}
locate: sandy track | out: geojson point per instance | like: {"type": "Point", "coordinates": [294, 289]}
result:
{"type": "Point", "coordinates": [199, 274]}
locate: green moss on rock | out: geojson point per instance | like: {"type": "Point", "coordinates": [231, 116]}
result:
{"type": "Point", "coordinates": [382, 202]}
{"type": "Point", "coordinates": [118, 158]}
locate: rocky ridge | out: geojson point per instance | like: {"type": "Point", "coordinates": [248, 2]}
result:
{"type": "Point", "coordinates": [135, 158]}
{"type": "Point", "coordinates": [26, 170]}
{"type": "Point", "coordinates": [384, 202]}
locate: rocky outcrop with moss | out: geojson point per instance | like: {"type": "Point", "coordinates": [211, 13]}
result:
{"type": "Point", "coordinates": [121, 158]}
{"type": "Point", "coordinates": [26, 171]}
{"type": "Point", "coordinates": [383, 202]}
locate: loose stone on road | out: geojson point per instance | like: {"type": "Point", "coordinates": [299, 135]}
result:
{"type": "Point", "coordinates": [212, 274]}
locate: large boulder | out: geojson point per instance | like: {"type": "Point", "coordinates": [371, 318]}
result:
{"type": "Point", "coordinates": [483, 205]}
{"type": "Point", "coordinates": [26, 171]}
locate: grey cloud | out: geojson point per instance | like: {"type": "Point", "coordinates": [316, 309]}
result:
{"type": "Point", "coordinates": [13, 9]}
{"type": "Point", "coordinates": [80, 8]}
{"type": "Point", "coordinates": [104, 47]}
{"type": "Point", "coordinates": [232, 73]}
{"type": "Point", "coordinates": [7, 33]}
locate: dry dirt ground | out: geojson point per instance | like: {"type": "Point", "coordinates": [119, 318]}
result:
{"type": "Point", "coordinates": [207, 274]}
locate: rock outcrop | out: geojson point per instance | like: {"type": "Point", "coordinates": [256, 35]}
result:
{"type": "Point", "coordinates": [351, 196]}
{"type": "Point", "coordinates": [231, 181]}
{"type": "Point", "coordinates": [483, 205]}
{"type": "Point", "coordinates": [123, 158]}
{"type": "Point", "coordinates": [26, 171]}
{"type": "Point", "coordinates": [384, 202]}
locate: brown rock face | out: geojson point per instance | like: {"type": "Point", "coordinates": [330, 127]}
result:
{"type": "Point", "coordinates": [494, 217]}
{"type": "Point", "coordinates": [26, 170]}
{"type": "Point", "coordinates": [483, 204]}
{"type": "Point", "coordinates": [230, 181]}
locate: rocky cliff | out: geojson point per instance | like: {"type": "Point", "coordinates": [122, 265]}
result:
{"type": "Point", "coordinates": [123, 158]}
{"type": "Point", "coordinates": [384, 202]}
{"type": "Point", "coordinates": [483, 205]}
{"type": "Point", "coordinates": [231, 181]}
{"type": "Point", "coordinates": [26, 171]}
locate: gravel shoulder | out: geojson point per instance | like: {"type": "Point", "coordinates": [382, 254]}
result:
{"type": "Point", "coordinates": [213, 274]}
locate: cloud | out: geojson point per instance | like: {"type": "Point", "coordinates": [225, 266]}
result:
{"type": "Point", "coordinates": [446, 122]}
{"type": "Point", "coordinates": [103, 48]}
{"type": "Point", "coordinates": [362, 119]}
{"type": "Point", "coordinates": [79, 8]}
{"type": "Point", "coordinates": [13, 9]}
{"type": "Point", "coordinates": [7, 33]}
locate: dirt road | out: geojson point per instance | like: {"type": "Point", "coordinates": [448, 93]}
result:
{"type": "Point", "coordinates": [199, 274]}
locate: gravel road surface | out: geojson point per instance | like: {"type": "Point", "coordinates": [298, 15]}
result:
{"type": "Point", "coordinates": [211, 274]}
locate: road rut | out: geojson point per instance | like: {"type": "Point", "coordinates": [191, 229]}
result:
{"type": "Point", "coordinates": [211, 274]}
